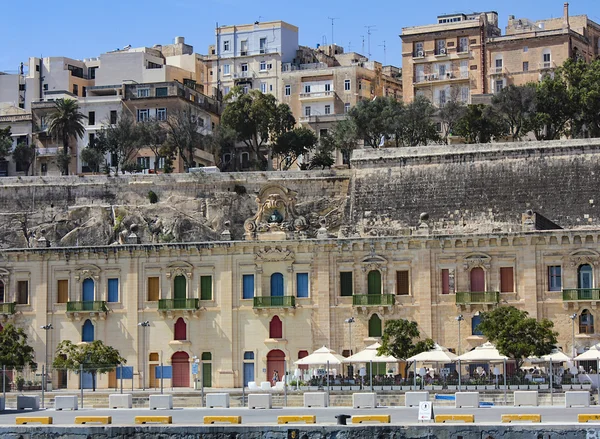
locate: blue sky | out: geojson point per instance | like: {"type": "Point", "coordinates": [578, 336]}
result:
{"type": "Point", "coordinates": [80, 29]}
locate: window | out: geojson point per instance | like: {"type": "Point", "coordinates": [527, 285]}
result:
{"type": "Point", "coordinates": [447, 281]}
{"type": "Point", "coordinates": [301, 355]}
{"type": "Point", "coordinates": [226, 46]}
{"type": "Point", "coordinates": [161, 114]}
{"type": "Point", "coordinates": [463, 44]}
{"type": "Point", "coordinates": [374, 326]}
{"type": "Point", "coordinates": [245, 89]}
{"type": "Point", "coordinates": [525, 66]}
{"type": "Point", "coordinates": [307, 111]}
{"type": "Point", "coordinates": [206, 288]}
{"type": "Point", "coordinates": [374, 282]}
{"type": "Point", "coordinates": [477, 277]}
{"type": "Point", "coordinates": [153, 289]}
{"type": "Point", "coordinates": [525, 49]}
{"type": "Point", "coordinates": [143, 92]}
{"type": "Point", "coordinates": [442, 98]}
{"type": "Point", "coordinates": [244, 48]}
{"type": "Point", "coordinates": [554, 278]}
{"type": "Point", "coordinates": [270, 87]}
{"type": "Point", "coordinates": [346, 84]}
{"type": "Point", "coordinates": [584, 276]}
{"type": "Point", "coordinates": [464, 94]}
{"type": "Point", "coordinates": [2, 292]}
{"type": "Point", "coordinates": [546, 59]}
{"type": "Point", "coordinates": [288, 90]}
{"type": "Point", "coordinates": [63, 291]}
{"type": "Point", "coordinates": [263, 87]}
{"type": "Point", "coordinates": [346, 283]}
{"type": "Point", "coordinates": [346, 107]}
{"type": "Point", "coordinates": [143, 115]}
{"type": "Point", "coordinates": [226, 90]}
{"type": "Point", "coordinates": [45, 87]}
{"type": "Point", "coordinates": [586, 322]}
{"type": "Point", "coordinates": [275, 328]}
{"type": "Point", "coordinates": [327, 109]}
{"type": "Point", "coordinates": [75, 89]}
{"type": "Point", "coordinates": [247, 286]}
{"type": "Point", "coordinates": [475, 321]}
{"type": "Point", "coordinates": [498, 65]}
{"type": "Point", "coordinates": [180, 330]}
{"type": "Point", "coordinates": [22, 292]}
{"type": "Point", "coordinates": [499, 85]}
{"type": "Point", "coordinates": [113, 290]}
{"type": "Point", "coordinates": [263, 66]}
{"type": "Point", "coordinates": [506, 280]}
{"type": "Point", "coordinates": [327, 87]}
{"type": "Point", "coordinates": [226, 69]}
{"type": "Point", "coordinates": [113, 117]}
{"type": "Point", "coordinates": [92, 118]}
{"type": "Point", "coordinates": [87, 332]}
{"type": "Point", "coordinates": [418, 49]}
{"type": "Point", "coordinates": [307, 88]}
{"type": "Point", "coordinates": [440, 47]}
{"type": "Point", "coordinates": [402, 286]}
{"type": "Point", "coordinates": [248, 355]}
{"type": "Point", "coordinates": [244, 67]}
{"type": "Point", "coordinates": [301, 284]}
{"type": "Point", "coordinates": [263, 45]}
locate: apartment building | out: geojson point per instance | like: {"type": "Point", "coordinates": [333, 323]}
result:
{"type": "Point", "coordinates": [19, 121]}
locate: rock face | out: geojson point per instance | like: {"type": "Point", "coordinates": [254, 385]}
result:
{"type": "Point", "coordinates": [388, 192]}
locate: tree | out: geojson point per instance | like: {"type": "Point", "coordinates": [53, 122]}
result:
{"type": "Point", "coordinates": [372, 120]}
{"type": "Point", "coordinates": [120, 140]}
{"type": "Point", "coordinates": [152, 134]}
{"type": "Point", "coordinates": [15, 353]}
{"type": "Point", "coordinates": [480, 124]}
{"type": "Point", "coordinates": [515, 105]}
{"type": "Point", "coordinates": [415, 125]}
{"type": "Point", "coordinates": [66, 121]}
{"type": "Point", "coordinates": [23, 155]}
{"type": "Point", "coordinates": [5, 142]}
{"type": "Point", "coordinates": [93, 157]}
{"type": "Point", "coordinates": [94, 358]}
{"type": "Point", "coordinates": [323, 156]}
{"type": "Point", "coordinates": [398, 340]}
{"type": "Point", "coordinates": [583, 80]}
{"type": "Point", "coordinates": [222, 141]}
{"type": "Point", "coordinates": [292, 144]}
{"type": "Point", "coordinates": [344, 137]}
{"type": "Point", "coordinates": [553, 108]}
{"type": "Point", "coordinates": [183, 138]}
{"type": "Point", "coordinates": [517, 335]}
{"type": "Point", "coordinates": [450, 114]}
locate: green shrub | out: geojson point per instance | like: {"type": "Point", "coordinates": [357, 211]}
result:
{"type": "Point", "coordinates": [152, 197]}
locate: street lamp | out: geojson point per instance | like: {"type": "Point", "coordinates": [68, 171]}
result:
{"type": "Point", "coordinates": [573, 317]}
{"type": "Point", "coordinates": [350, 320]}
{"type": "Point", "coordinates": [459, 319]}
{"type": "Point", "coordinates": [144, 325]}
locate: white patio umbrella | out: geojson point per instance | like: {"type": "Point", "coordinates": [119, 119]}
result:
{"type": "Point", "coordinates": [369, 355]}
{"type": "Point", "coordinates": [485, 352]}
{"type": "Point", "coordinates": [320, 357]}
{"type": "Point", "coordinates": [591, 354]}
{"type": "Point", "coordinates": [439, 354]}
{"type": "Point", "coordinates": [556, 356]}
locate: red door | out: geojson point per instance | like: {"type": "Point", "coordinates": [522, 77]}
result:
{"type": "Point", "coordinates": [477, 280]}
{"type": "Point", "coordinates": [275, 362]}
{"type": "Point", "coordinates": [181, 369]}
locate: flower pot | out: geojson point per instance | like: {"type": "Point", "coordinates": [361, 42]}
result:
{"type": "Point", "coordinates": [406, 388]}
{"type": "Point", "coordinates": [386, 388]}
{"type": "Point", "coordinates": [428, 387]}
{"type": "Point", "coordinates": [586, 387]}
{"type": "Point", "coordinates": [471, 387]}
{"type": "Point", "coordinates": [523, 386]}
{"type": "Point", "coordinates": [490, 387]}
{"type": "Point", "coordinates": [438, 387]}
{"type": "Point", "coordinates": [452, 386]}
{"type": "Point", "coordinates": [513, 387]}
{"type": "Point", "coordinates": [576, 386]}
{"type": "Point", "coordinates": [566, 387]}
{"type": "Point", "coordinates": [544, 386]}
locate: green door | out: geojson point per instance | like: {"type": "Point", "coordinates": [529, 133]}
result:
{"type": "Point", "coordinates": [206, 369]}
{"type": "Point", "coordinates": [179, 295]}
{"type": "Point", "coordinates": [374, 282]}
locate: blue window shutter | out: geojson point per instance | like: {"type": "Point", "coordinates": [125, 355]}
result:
{"type": "Point", "coordinates": [276, 285]}
{"type": "Point", "coordinates": [113, 290]}
{"type": "Point", "coordinates": [302, 284]}
{"type": "Point", "coordinates": [87, 333]}
{"type": "Point", "coordinates": [248, 286]}
{"type": "Point", "coordinates": [475, 321]}
{"type": "Point", "coordinates": [88, 290]}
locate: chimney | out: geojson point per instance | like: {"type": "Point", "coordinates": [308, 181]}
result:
{"type": "Point", "coordinates": [566, 16]}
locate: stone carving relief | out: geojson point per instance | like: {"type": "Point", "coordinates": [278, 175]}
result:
{"type": "Point", "coordinates": [477, 260]}
{"type": "Point", "coordinates": [374, 262]}
{"type": "Point", "coordinates": [88, 272]}
{"type": "Point", "coordinates": [269, 254]}
{"type": "Point", "coordinates": [276, 215]}
{"type": "Point", "coordinates": [181, 269]}
{"type": "Point", "coordinates": [581, 257]}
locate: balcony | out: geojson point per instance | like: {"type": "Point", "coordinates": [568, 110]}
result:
{"type": "Point", "coordinates": [480, 297]}
{"type": "Point", "coordinates": [575, 294]}
{"type": "Point", "coordinates": [178, 304]}
{"type": "Point", "coordinates": [87, 306]}
{"type": "Point", "coordinates": [275, 302]}
{"type": "Point", "coordinates": [452, 76]}
{"type": "Point", "coordinates": [373, 300]}
{"type": "Point", "coordinates": [48, 152]}
{"type": "Point", "coordinates": [7, 308]}
{"type": "Point", "coordinates": [317, 95]}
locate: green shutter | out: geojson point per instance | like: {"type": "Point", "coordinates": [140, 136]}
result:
{"type": "Point", "coordinates": [374, 326]}
{"type": "Point", "coordinates": [206, 287]}
{"type": "Point", "coordinates": [374, 282]}
{"type": "Point", "coordinates": [346, 283]}
{"type": "Point", "coordinates": [180, 287]}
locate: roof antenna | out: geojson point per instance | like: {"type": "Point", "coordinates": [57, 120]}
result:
{"type": "Point", "coordinates": [332, 19]}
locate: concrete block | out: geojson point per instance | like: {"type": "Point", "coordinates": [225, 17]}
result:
{"type": "Point", "coordinates": [412, 399]}
{"type": "Point", "coordinates": [120, 401]}
{"type": "Point", "coordinates": [526, 397]}
{"type": "Point", "coordinates": [2, 404]}
{"type": "Point", "coordinates": [265, 385]}
{"type": "Point", "coordinates": [580, 399]}
{"type": "Point", "coordinates": [28, 402]}
{"type": "Point", "coordinates": [259, 401]}
{"type": "Point", "coordinates": [466, 399]}
{"type": "Point", "coordinates": [362, 400]}
{"type": "Point", "coordinates": [315, 399]}
{"type": "Point", "coordinates": [161, 402]}
{"type": "Point", "coordinates": [217, 400]}
{"type": "Point", "coordinates": [66, 402]}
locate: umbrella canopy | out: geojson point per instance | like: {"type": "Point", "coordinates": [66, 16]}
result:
{"type": "Point", "coordinates": [320, 357]}
{"type": "Point", "coordinates": [485, 352]}
{"type": "Point", "coordinates": [592, 353]}
{"type": "Point", "coordinates": [438, 354]}
{"type": "Point", "coordinates": [556, 356]}
{"type": "Point", "coordinates": [369, 354]}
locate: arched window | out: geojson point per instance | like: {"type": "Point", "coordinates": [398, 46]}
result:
{"type": "Point", "coordinates": [87, 294]}
{"type": "Point", "coordinates": [1, 292]}
{"type": "Point", "coordinates": [301, 355]}
{"type": "Point", "coordinates": [586, 322]}
{"type": "Point", "coordinates": [248, 355]}
{"type": "Point", "coordinates": [374, 282]}
{"type": "Point", "coordinates": [87, 332]}
{"type": "Point", "coordinates": [275, 328]}
{"type": "Point", "coordinates": [477, 280]}
{"type": "Point", "coordinates": [374, 326]}
{"type": "Point", "coordinates": [276, 285]}
{"type": "Point", "coordinates": [180, 329]}
{"type": "Point", "coordinates": [475, 321]}
{"type": "Point", "coordinates": [153, 356]}
{"type": "Point", "coordinates": [584, 276]}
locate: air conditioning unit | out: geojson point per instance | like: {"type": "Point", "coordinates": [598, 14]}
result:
{"type": "Point", "coordinates": [442, 51]}
{"type": "Point", "coordinates": [420, 53]}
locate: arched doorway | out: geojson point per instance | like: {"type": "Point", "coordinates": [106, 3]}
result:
{"type": "Point", "coordinates": [275, 362]}
{"type": "Point", "coordinates": [181, 369]}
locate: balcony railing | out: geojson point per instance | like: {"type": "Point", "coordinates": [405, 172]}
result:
{"type": "Point", "coordinates": [50, 151]}
{"type": "Point", "coordinates": [573, 294]}
{"type": "Point", "coordinates": [373, 300]}
{"type": "Point", "coordinates": [7, 308]}
{"type": "Point", "coordinates": [467, 298]}
{"type": "Point", "coordinates": [275, 302]}
{"type": "Point", "coordinates": [172, 304]}
{"type": "Point", "coordinates": [87, 306]}
{"type": "Point", "coordinates": [317, 94]}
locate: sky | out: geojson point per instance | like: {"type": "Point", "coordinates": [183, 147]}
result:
{"type": "Point", "coordinates": [80, 29]}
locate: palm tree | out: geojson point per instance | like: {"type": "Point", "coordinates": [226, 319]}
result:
{"type": "Point", "coordinates": [66, 122]}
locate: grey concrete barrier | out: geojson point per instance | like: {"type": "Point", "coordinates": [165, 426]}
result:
{"type": "Point", "coordinates": [526, 397]}
{"type": "Point", "coordinates": [364, 400]}
{"type": "Point", "coordinates": [120, 401]}
{"type": "Point", "coordinates": [161, 402]}
{"type": "Point", "coordinates": [259, 401]}
{"type": "Point", "coordinates": [63, 402]}
{"type": "Point", "coordinates": [466, 399]}
{"type": "Point", "coordinates": [217, 400]}
{"type": "Point", "coordinates": [28, 402]}
{"type": "Point", "coordinates": [580, 399]}
{"type": "Point", "coordinates": [412, 399]}
{"type": "Point", "coordinates": [315, 399]}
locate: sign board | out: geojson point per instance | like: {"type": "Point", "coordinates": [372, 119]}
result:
{"type": "Point", "coordinates": [321, 372]}
{"type": "Point", "coordinates": [127, 372]}
{"type": "Point", "coordinates": [167, 372]}
{"type": "Point", "coordinates": [194, 368]}
{"type": "Point", "coordinates": [425, 411]}
{"type": "Point", "coordinates": [445, 371]}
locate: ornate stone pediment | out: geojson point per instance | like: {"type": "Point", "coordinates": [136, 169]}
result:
{"type": "Point", "coordinates": [180, 269]}
{"type": "Point", "coordinates": [586, 256]}
{"type": "Point", "coordinates": [477, 260]}
{"type": "Point", "coordinates": [270, 254]}
{"type": "Point", "coordinates": [87, 272]}
{"type": "Point", "coordinates": [374, 262]}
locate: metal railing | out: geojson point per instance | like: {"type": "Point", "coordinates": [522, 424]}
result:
{"type": "Point", "coordinates": [467, 297]}
{"type": "Point", "coordinates": [169, 304]}
{"type": "Point", "coordinates": [274, 302]}
{"type": "Point", "coordinates": [7, 308]}
{"type": "Point", "coordinates": [87, 306]}
{"type": "Point", "coordinates": [373, 299]}
{"type": "Point", "coordinates": [581, 294]}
